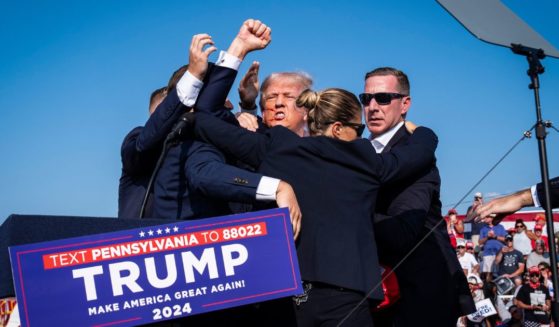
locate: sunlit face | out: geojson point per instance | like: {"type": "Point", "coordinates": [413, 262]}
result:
{"type": "Point", "coordinates": [350, 130]}
{"type": "Point", "coordinates": [279, 105]}
{"type": "Point", "coordinates": [543, 270]}
{"type": "Point", "coordinates": [381, 118]}
{"type": "Point", "coordinates": [347, 132]}
{"type": "Point", "coordinates": [452, 217]}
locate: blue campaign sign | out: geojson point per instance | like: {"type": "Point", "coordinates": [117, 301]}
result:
{"type": "Point", "coordinates": [152, 274]}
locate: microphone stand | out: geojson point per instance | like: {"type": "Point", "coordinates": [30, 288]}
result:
{"type": "Point", "coordinates": [177, 131]}
{"type": "Point", "coordinates": [535, 68]}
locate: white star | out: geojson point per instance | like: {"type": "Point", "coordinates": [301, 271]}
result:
{"type": "Point", "coordinates": [175, 229]}
{"type": "Point", "coordinates": [159, 231]}
{"type": "Point", "coordinates": [150, 232]}
{"type": "Point", "coordinates": [167, 230]}
{"type": "Point", "coordinates": [142, 234]}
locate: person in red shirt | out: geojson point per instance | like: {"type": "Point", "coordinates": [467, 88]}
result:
{"type": "Point", "coordinates": [454, 226]}
{"type": "Point", "coordinates": [537, 235]}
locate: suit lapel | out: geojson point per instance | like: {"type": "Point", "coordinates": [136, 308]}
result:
{"type": "Point", "coordinates": [401, 133]}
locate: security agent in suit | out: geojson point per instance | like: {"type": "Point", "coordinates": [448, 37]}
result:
{"type": "Point", "coordinates": [137, 167]}
{"type": "Point", "coordinates": [332, 178]}
{"type": "Point", "coordinates": [431, 277]}
{"type": "Point", "coordinates": [194, 180]}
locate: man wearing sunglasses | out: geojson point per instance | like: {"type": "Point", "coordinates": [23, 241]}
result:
{"type": "Point", "coordinates": [431, 276]}
{"type": "Point", "coordinates": [534, 298]}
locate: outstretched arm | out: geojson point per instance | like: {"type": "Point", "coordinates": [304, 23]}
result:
{"type": "Point", "coordinates": [417, 155]}
{"type": "Point", "coordinates": [179, 99]}
{"type": "Point", "coordinates": [234, 141]}
{"type": "Point", "coordinates": [253, 35]}
{"type": "Point", "coordinates": [498, 208]}
{"type": "Point", "coordinates": [554, 193]}
{"type": "Point", "coordinates": [209, 174]}
{"type": "Point", "coordinates": [285, 197]}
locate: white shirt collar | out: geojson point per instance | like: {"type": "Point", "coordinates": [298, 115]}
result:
{"type": "Point", "coordinates": [382, 140]}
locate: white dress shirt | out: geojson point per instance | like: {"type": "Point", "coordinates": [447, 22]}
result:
{"type": "Point", "coordinates": [380, 142]}
{"type": "Point", "coordinates": [188, 89]}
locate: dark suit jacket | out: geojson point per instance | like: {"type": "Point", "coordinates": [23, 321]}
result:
{"type": "Point", "coordinates": [136, 170]}
{"type": "Point", "coordinates": [334, 182]}
{"type": "Point", "coordinates": [194, 180]}
{"type": "Point", "coordinates": [410, 209]}
{"type": "Point", "coordinates": [139, 153]}
{"type": "Point", "coordinates": [554, 192]}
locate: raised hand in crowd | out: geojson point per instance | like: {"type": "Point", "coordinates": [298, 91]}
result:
{"type": "Point", "coordinates": [198, 56]}
{"type": "Point", "coordinates": [253, 35]}
{"type": "Point", "coordinates": [285, 198]}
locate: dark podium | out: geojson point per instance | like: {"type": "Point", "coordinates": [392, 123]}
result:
{"type": "Point", "coordinates": [24, 229]}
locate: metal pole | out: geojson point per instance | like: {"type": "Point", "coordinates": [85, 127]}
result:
{"type": "Point", "coordinates": [535, 69]}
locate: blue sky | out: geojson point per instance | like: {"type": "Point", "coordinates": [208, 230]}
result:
{"type": "Point", "coordinates": [75, 77]}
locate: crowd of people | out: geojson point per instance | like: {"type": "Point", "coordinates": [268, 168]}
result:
{"type": "Point", "coordinates": [511, 267]}
{"type": "Point", "coordinates": [348, 197]}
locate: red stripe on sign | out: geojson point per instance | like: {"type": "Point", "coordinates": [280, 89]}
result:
{"type": "Point", "coordinates": [147, 246]}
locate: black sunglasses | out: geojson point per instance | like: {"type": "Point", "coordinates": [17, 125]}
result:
{"type": "Point", "coordinates": [460, 247]}
{"type": "Point", "coordinates": [381, 98]}
{"type": "Point", "coordinates": [519, 226]}
{"type": "Point", "coordinates": [359, 128]}
{"type": "Point", "coordinates": [534, 274]}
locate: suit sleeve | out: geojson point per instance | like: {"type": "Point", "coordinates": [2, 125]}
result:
{"type": "Point", "coordinates": [135, 162]}
{"type": "Point", "coordinates": [239, 143]}
{"type": "Point", "coordinates": [411, 158]}
{"type": "Point", "coordinates": [207, 173]}
{"type": "Point", "coordinates": [213, 94]}
{"type": "Point", "coordinates": [554, 192]}
{"type": "Point", "coordinates": [161, 122]}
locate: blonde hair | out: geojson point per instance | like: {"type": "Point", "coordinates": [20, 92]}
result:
{"type": "Point", "coordinates": [328, 106]}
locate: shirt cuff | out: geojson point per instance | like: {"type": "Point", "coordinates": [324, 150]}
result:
{"type": "Point", "coordinates": [535, 196]}
{"type": "Point", "coordinates": [188, 89]}
{"type": "Point", "coordinates": [267, 188]}
{"type": "Point", "coordinates": [229, 61]}
{"type": "Point", "coordinates": [250, 111]}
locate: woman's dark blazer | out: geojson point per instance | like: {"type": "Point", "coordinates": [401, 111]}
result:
{"type": "Point", "coordinates": [334, 182]}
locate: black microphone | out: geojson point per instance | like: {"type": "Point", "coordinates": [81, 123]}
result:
{"type": "Point", "coordinates": [185, 120]}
